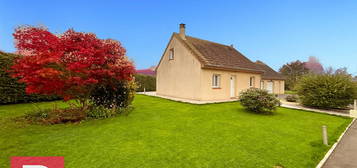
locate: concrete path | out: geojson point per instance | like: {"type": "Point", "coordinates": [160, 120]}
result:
{"type": "Point", "coordinates": [345, 153]}
{"type": "Point", "coordinates": [297, 106]}
{"type": "Point", "coordinates": [186, 100]}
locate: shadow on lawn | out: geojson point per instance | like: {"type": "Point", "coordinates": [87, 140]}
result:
{"type": "Point", "coordinates": [263, 113]}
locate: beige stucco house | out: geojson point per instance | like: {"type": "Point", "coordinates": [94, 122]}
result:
{"type": "Point", "coordinates": [197, 69]}
{"type": "Point", "coordinates": [271, 80]}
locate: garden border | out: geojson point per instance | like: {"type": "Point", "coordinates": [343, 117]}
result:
{"type": "Point", "coordinates": [329, 152]}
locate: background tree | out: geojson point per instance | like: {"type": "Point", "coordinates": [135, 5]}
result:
{"type": "Point", "coordinates": [293, 71]}
{"type": "Point", "coordinates": [339, 71]}
{"type": "Point", "coordinates": [314, 65]}
{"type": "Point", "coordinates": [145, 81]}
{"type": "Point", "coordinates": [70, 64]}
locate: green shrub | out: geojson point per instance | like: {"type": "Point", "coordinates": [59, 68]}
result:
{"type": "Point", "coordinates": [291, 98]}
{"type": "Point", "coordinates": [10, 90]}
{"type": "Point", "coordinates": [258, 100]}
{"type": "Point", "coordinates": [118, 94]}
{"type": "Point", "coordinates": [326, 90]}
{"type": "Point", "coordinates": [145, 81]}
{"type": "Point", "coordinates": [101, 112]}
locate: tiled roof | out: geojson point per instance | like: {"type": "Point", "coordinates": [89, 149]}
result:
{"type": "Point", "coordinates": [218, 56]}
{"type": "Point", "coordinates": [269, 73]}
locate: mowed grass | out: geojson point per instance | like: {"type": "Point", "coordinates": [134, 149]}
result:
{"type": "Point", "coordinates": [293, 92]}
{"type": "Point", "coordinates": [163, 133]}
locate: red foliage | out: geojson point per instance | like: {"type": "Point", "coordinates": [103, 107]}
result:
{"type": "Point", "coordinates": [68, 64]}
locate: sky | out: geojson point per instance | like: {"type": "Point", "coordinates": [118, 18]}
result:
{"type": "Point", "coordinates": [273, 31]}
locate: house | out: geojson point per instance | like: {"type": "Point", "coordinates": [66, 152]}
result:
{"type": "Point", "coordinates": [149, 71]}
{"type": "Point", "coordinates": [271, 80]}
{"type": "Point", "coordinates": [197, 69]}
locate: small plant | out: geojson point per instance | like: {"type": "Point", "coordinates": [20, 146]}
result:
{"type": "Point", "coordinates": [101, 112]}
{"type": "Point", "coordinates": [258, 100]}
{"type": "Point", "coordinates": [291, 98]}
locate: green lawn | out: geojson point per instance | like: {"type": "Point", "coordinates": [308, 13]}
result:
{"type": "Point", "coordinates": [293, 92]}
{"type": "Point", "coordinates": [162, 133]}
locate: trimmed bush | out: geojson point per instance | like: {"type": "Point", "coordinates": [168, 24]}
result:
{"type": "Point", "coordinates": [145, 81]}
{"type": "Point", "coordinates": [291, 98]}
{"type": "Point", "coordinates": [326, 91]}
{"type": "Point", "coordinates": [119, 94]}
{"type": "Point", "coordinates": [258, 100]}
{"type": "Point", "coordinates": [12, 91]}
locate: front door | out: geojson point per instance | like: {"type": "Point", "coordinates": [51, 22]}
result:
{"type": "Point", "coordinates": [270, 87]}
{"type": "Point", "coordinates": [233, 86]}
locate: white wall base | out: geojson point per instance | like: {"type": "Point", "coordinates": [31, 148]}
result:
{"type": "Point", "coordinates": [353, 113]}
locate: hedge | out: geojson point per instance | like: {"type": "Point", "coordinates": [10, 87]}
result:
{"type": "Point", "coordinates": [327, 91]}
{"type": "Point", "coordinates": [12, 91]}
{"type": "Point", "coordinates": [145, 81]}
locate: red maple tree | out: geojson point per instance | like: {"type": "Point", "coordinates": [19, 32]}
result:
{"type": "Point", "coordinates": [69, 64]}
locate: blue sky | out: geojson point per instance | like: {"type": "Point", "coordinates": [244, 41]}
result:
{"type": "Point", "coordinates": [274, 31]}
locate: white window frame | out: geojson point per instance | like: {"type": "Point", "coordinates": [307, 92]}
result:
{"type": "Point", "coordinates": [216, 81]}
{"type": "Point", "coordinates": [261, 84]}
{"type": "Point", "coordinates": [171, 54]}
{"type": "Point", "coordinates": [252, 81]}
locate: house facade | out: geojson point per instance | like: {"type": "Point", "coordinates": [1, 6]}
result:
{"type": "Point", "coordinates": [271, 80]}
{"type": "Point", "coordinates": [197, 69]}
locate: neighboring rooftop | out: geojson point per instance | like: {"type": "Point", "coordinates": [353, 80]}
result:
{"type": "Point", "coordinates": [150, 71]}
{"type": "Point", "coordinates": [269, 73]}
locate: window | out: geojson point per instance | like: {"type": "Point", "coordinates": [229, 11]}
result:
{"type": "Point", "coordinates": [251, 81]}
{"type": "Point", "coordinates": [261, 84]}
{"type": "Point", "coordinates": [171, 54]}
{"type": "Point", "coordinates": [216, 79]}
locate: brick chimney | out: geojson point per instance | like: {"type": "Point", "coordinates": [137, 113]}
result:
{"type": "Point", "coordinates": [182, 31]}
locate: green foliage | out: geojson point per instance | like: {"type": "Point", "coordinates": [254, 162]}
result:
{"type": "Point", "coordinates": [326, 90]}
{"type": "Point", "coordinates": [56, 116]}
{"type": "Point", "coordinates": [145, 81]}
{"type": "Point", "coordinates": [12, 91]}
{"type": "Point", "coordinates": [119, 94]}
{"type": "Point", "coordinates": [292, 98]}
{"type": "Point", "coordinates": [101, 112]}
{"type": "Point", "coordinates": [258, 100]}
{"type": "Point", "coordinates": [293, 71]}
